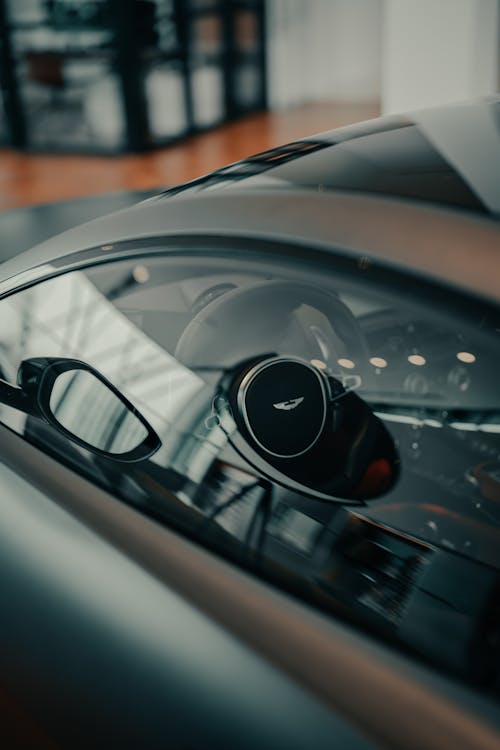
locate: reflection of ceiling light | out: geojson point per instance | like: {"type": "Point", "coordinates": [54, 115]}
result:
{"type": "Point", "coordinates": [347, 363]}
{"type": "Point", "coordinates": [466, 357]}
{"type": "Point", "coordinates": [140, 274]}
{"type": "Point", "coordinates": [466, 426]}
{"type": "Point", "coordinates": [491, 427]}
{"type": "Point", "coordinates": [378, 362]}
{"type": "Point", "coordinates": [432, 423]}
{"type": "Point", "coordinates": [417, 359]}
{"type": "Point", "coordinates": [408, 419]}
{"type": "Point", "coordinates": [319, 364]}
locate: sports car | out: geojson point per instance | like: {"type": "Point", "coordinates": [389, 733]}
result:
{"type": "Point", "coordinates": [250, 438]}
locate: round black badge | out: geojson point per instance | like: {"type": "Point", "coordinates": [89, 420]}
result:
{"type": "Point", "coordinates": [283, 403]}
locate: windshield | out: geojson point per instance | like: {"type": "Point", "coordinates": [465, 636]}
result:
{"type": "Point", "coordinates": [419, 557]}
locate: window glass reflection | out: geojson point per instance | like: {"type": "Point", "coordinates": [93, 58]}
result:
{"type": "Point", "coordinates": [87, 408]}
{"type": "Point", "coordinates": [169, 333]}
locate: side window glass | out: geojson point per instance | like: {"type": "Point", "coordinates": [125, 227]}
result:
{"type": "Point", "coordinates": [332, 429]}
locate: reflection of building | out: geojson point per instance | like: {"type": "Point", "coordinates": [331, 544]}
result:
{"type": "Point", "coordinates": [85, 406]}
{"type": "Point", "coordinates": [67, 316]}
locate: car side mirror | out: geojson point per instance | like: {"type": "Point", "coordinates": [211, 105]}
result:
{"type": "Point", "coordinates": [83, 405]}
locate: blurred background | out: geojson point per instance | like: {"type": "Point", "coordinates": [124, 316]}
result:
{"type": "Point", "coordinates": [113, 95]}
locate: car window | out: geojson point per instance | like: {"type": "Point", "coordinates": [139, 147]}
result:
{"type": "Point", "coordinates": [411, 377]}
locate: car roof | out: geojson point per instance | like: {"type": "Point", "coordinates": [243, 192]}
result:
{"type": "Point", "coordinates": [442, 155]}
{"type": "Point", "coordinates": [295, 194]}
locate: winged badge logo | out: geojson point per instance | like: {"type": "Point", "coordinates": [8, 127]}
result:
{"type": "Point", "coordinates": [292, 403]}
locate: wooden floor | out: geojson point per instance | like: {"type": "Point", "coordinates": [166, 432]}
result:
{"type": "Point", "coordinates": [30, 179]}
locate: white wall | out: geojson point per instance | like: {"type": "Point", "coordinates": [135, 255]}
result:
{"type": "Point", "coordinates": [437, 51]}
{"type": "Point", "coordinates": [324, 49]}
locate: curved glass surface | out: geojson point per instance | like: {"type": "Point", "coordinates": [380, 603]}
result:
{"type": "Point", "coordinates": [420, 561]}
{"type": "Point", "coordinates": [84, 406]}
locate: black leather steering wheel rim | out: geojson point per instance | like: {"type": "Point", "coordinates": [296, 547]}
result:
{"type": "Point", "coordinates": [238, 325]}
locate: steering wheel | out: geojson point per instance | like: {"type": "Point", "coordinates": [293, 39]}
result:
{"type": "Point", "coordinates": [282, 317]}
{"type": "Point", "coordinates": [277, 344]}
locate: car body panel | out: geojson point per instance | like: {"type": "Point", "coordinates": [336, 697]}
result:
{"type": "Point", "coordinates": [422, 239]}
{"type": "Point", "coordinates": [124, 617]}
{"type": "Point", "coordinates": [457, 145]}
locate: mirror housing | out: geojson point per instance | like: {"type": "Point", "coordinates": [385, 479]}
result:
{"type": "Point", "coordinates": [44, 389]}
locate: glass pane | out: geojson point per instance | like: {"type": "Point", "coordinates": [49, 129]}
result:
{"type": "Point", "coordinates": [91, 411]}
{"type": "Point", "coordinates": [182, 337]}
{"type": "Point", "coordinates": [207, 84]}
{"type": "Point", "coordinates": [164, 88]}
{"type": "Point", "coordinates": [71, 99]}
{"type": "Point", "coordinates": [206, 36]}
{"type": "Point", "coordinates": [65, 71]}
{"type": "Point", "coordinates": [3, 122]}
{"type": "Point", "coordinates": [246, 31]}
{"type": "Point", "coordinates": [247, 85]}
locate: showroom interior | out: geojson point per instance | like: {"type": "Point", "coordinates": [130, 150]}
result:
{"type": "Point", "coordinates": [103, 96]}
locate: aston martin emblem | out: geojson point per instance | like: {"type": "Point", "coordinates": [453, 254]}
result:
{"type": "Point", "coordinates": [290, 404]}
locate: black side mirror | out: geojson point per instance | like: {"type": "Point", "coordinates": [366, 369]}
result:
{"type": "Point", "coordinates": [79, 402]}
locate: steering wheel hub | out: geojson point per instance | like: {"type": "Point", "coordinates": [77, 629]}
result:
{"type": "Point", "coordinates": [283, 404]}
